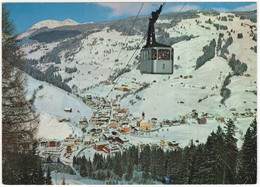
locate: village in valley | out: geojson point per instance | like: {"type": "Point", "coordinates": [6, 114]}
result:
{"type": "Point", "coordinates": [112, 129]}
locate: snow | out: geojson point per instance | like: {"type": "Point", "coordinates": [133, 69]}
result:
{"type": "Point", "coordinates": [50, 104]}
{"type": "Point", "coordinates": [162, 98]}
{"type": "Point", "coordinates": [50, 128]}
{"type": "Point", "coordinates": [53, 23]}
{"type": "Point", "coordinates": [57, 179]}
{"type": "Point", "coordinates": [190, 131]}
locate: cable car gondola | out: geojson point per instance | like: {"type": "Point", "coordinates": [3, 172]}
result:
{"type": "Point", "coordinates": [155, 58]}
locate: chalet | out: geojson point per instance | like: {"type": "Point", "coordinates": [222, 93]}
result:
{"type": "Point", "coordinates": [122, 89]}
{"type": "Point", "coordinates": [201, 120]}
{"type": "Point", "coordinates": [96, 138]}
{"type": "Point", "coordinates": [89, 97]}
{"type": "Point", "coordinates": [169, 143]}
{"type": "Point", "coordinates": [115, 133]}
{"type": "Point", "coordinates": [194, 115]}
{"type": "Point", "coordinates": [125, 128]}
{"type": "Point", "coordinates": [95, 130]}
{"type": "Point", "coordinates": [154, 120]}
{"type": "Point", "coordinates": [111, 148]}
{"type": "Point", "coordinates": [71, 148]}
{"type": "Point", "coordinates": [87, 135]}
{"type": "Point", "coordinates": [119, 110]}
{"type": "Point", "coordinates": [173, 144]}
{"type": "Point", "coordinates": [69, 139]}
{"type": "Point", "coordinates": [114, 104]}
{"type": "Point", "coordinates": [53, 143]}
{"type": "Point", "coordinates": [91, 103]}
{"type": "Point", "coordinates": [87, 141]}
{"type": "Point", "coordinates": [232, 109]}
{"type": "Point", "coordinates": [164, 143]}
{"type": "Point", "coordinates": [103, 120]}
{"type": "Point", "coordinates": [78, 142]}
{"type": "Point", "coordinates": [98, 124]}
{"type": "Point", "coordinates": [107, 136]}
{"type": "Point", "coordinates": [220, 120]}
{"type": "Point", "coordinates": [122, 140]}
{"type": "Point", "coordinates": [103, 127]}
{"type": "Point", "coordinates": [68, 109]}
{"type": "Point", "coordinates": [84, 122]}
{"type": "Point", "coordinates": [43, 143]}
{"type": "Point", "coordinates": [64, 120]}
{"type": "Point", "coordinates": [99, 146]}
{"type": "Point", "coordinates": [112, 126]}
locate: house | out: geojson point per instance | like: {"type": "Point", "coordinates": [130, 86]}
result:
{"type": "Point", "coordinates": [68, 109]}
{"type": "Point", "coordinates": [69, 139]}
{"type": "Point", "coordinates": [125, 128]}
{"type": "Point", "coordinates": [220, 120]}
{"type": "Point", "coordinates": [107, 136]}
{"type": "Point", "coordinates": [122, 89]}
{"type": "Point", "coordinates": [112, 126]}
{"type": "Point", "coordinates": [103, 127]}
{"type": "Point", "coordinates": [43, 143]}
{"type": "Point", "coordinates": [201, 120]}
{"type": "Point", "coordinates": [164, 143]}
{"type": "Point", "coordinates": [87, 141]}
{"type": "Point", "coordinates": [53, 143]}
{"type": "Point", "coordinates": [99, 146]}
{"type": "Point", "coordinates": [84, 122]}
{"type": "Point", "coordinates": [154, 120]}
{"type": "Point", "coordinates": [96, 138]}
{"type": "Point", "coordinates": [89, 97]}
{"type": "Point", "coordinates": [78, 142]}
{"type": "Point", "coordinates": [64, 120]}
{"type": "Point", "coordinates": [111, 148]}
{"type": "Point", "coordinates": [71, 148]}
{"type": "Point", "coordinates": [122, 140]}
{"type": "Point", "coordinates": [87, 136]}
{"type": "Point", "coordinates": [194, 115]}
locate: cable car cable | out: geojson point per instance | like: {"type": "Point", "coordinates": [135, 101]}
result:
{"type": "Point", "coordinates": [130, 59]}
{"type": "Point", "coordinates": [127, 36]}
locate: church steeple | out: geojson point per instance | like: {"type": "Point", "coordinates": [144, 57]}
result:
{"type": "Point", "coordinates": [143, 116]}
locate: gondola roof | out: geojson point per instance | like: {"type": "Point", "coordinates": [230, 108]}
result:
{"type": "Point", "coordinates": [155, 44]}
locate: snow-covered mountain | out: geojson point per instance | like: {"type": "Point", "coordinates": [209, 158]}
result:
{"type": "Point", "coordinates": [89, 57]}
{"type": "Point", "coordinates": [53, 23]}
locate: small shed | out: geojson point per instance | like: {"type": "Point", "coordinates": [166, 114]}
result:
{"type": "Point", "coordinates": [68, 109]}
{"type": "Point", "coordinates": [201, 120]}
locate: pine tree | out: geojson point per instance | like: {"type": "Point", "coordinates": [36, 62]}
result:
{"type": "Point", "coordinates": [214, 165]}
{"type": "Point", "coordinates": [248, 155]}
{"type": "Point", "coordinates": [129, 171]}
{"type": "Point", "coordinates": [198, 165]}
{"type": "Point", "coordinates": [38, 175]}
{"type": "Point", "coordinates": [83, 167]}
{"type": "Point", "coordinates": [231, 152]}
{"type": "Point", "coordinates": [48, 177]}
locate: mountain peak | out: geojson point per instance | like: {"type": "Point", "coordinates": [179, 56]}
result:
{"type": "Point", "coordinates": [53, 23]}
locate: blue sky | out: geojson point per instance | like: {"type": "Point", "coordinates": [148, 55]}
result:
{"type": "Point", "coordinates": [25, 15]}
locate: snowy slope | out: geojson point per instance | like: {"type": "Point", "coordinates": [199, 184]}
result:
{"type": "Point", "coordinates": [50, 103]}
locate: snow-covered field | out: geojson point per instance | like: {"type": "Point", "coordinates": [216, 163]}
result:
{"type": "Point", "coordinates": [50, 103]}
